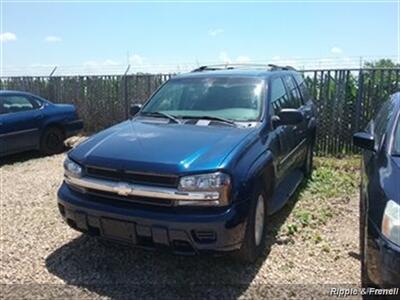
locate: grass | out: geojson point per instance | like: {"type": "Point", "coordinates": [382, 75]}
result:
{"type": "Point", "coordinates": [332, 184]}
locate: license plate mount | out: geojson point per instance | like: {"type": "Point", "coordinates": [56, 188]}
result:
{"type": "Point", "coordinates": [118, 230]}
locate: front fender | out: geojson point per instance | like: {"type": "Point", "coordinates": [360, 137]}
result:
{"type": "Point", "coordinates": [262, 168]}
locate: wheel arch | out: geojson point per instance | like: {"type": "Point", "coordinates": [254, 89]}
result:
{"type": "Point", "coordinates": [52, 125]}
{"type": "Point", "coordinates": [262, 170]}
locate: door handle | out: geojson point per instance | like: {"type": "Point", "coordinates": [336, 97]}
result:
{"type": "Point", "coordinates": [38, 117]}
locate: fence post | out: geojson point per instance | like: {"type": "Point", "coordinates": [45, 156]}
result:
{"type": "Point", "coordinates": [53, 71]}
{"type": "Point", "coordinates": [126, 98]}
{"type": "Point", "coordinates": [360, 93]}
{"type": "Point", "coordinates": [51, 94]}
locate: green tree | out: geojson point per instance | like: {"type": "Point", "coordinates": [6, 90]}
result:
{"type": "Point", "coordinates": [381, 63]}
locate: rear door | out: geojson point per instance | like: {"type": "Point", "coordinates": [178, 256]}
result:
{"type": "Point", "coordinates": [20, 122]}
{"type": "Point", "coordinates": [299, 145]}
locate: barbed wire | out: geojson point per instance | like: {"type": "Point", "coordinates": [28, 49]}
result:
{"type": "Point", "coordinates": [181, 67]}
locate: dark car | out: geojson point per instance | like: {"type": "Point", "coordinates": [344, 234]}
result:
{"type": "Point", "coordinates": [200, 166]}
{"type": "Point", "coordinates": [380, 197]}
{"type": "Point", "coordinates": [29, 122]}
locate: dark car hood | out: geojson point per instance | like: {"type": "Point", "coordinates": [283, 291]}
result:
{"type": "Point", "coordinates": [390, 177]}
{"type": "Point", "coordinates": [159, 147]}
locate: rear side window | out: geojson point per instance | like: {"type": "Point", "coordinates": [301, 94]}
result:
{"type": "Point", "coordinates": [302, 86]}
{"type": "Point", "coordinates": [14, 104]}
{"type": "Point", "coordinates": [37, 102]}
{"type": "Point", "coordinates": [279, 96]}
{"type": "Point", "coordinates": [295, 97]}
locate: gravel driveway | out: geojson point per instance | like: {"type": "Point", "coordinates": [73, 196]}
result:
{"type": "Point", "coordinates": [313, 241]}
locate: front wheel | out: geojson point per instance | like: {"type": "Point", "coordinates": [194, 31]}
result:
{"type": "Point", "coordinates": [365, 281]}
{"type": "Point", "coordinates": [255, 235]}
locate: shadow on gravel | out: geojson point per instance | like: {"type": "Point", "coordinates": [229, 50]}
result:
{"type": "Point", "coordinates": [24, 156]}
{"type": "Point", "coordinates": [19, 157]}
{"type": "Point", "coordinates": [118, 271]}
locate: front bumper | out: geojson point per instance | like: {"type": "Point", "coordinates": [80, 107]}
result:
{"type": "Point", "coordinates": [73, 127]}
{"type": "Point", "coordinates": [180, 230]}
{"type": "Point", "coordinates": [383, 259]}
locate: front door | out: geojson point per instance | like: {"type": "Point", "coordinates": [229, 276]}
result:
{"type": "Point", "coordinates": [286, 135]}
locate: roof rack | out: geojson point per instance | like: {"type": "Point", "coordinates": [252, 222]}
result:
{"type": "Point", "coordinates": [269, 67]}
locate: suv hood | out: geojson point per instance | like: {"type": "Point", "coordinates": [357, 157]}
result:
{"type": "Point", "coordinates": [158, 147]}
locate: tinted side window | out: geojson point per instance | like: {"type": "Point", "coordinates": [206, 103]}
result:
{"type": "Point", "coordinates": [279, 97]}
{"type": "Point", "coordinates": [13, 104]}
{"type": "Point", "coordinates": [381, 121]}
{"type": "Point", "coordinates": [302, 86]}
{"type": "Point", "coordinates": [295, 97]}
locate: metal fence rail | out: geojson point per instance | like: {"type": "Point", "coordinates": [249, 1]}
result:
{"type": "Point", "coordinates": [346, 99]}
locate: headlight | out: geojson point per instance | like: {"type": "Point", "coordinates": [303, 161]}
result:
{"type": "Point", "coordinates": [391, 222]}
{"type": "Point", "coordinates": [212, 182]}
{"type": "Point", "coordinates": [72, 169]}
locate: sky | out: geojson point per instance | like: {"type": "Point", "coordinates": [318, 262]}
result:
{"type": "Point", "coordinates": [83, 36]}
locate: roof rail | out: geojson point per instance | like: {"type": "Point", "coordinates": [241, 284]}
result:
{"type": "Point", "coordinates": [276, 67]}
{"type": "Point", "coordinates": [270, 67]}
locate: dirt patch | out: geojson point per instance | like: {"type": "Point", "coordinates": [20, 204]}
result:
{"type": "Point", "coordinates": [313, 241]}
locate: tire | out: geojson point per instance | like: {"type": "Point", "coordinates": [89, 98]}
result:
{"type": "Point", "coordinates": [52, 141]}
{"type": "Point", "coordinates": [308, 163]}
{"type": "Point", "coordinates": [254, 240]}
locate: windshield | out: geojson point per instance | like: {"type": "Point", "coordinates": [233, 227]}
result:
{"type": "Point", "coordinates": [396, 146]}
{"type": "Point", "coordinates": [232, 98]}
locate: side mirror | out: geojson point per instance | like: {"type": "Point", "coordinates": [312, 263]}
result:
{"type": "Point", "coordinates": [134, 109]}
{"type": "Point", "coordinates": [364, 140]}
{"type": "Point", "coordinates": [288, 116]}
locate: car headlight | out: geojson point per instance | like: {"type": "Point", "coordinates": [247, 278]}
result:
{"type": "Point", "coordinates": [72, 169]}
{"type": "Point", "coordinates": [212, 182]}
{"type": "Point", "coordinates": [391, 222]}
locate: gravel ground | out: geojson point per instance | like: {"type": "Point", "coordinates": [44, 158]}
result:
{"type": "Point", "coordinates": [313, 243]}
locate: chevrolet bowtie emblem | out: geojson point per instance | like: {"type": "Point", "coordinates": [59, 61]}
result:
{"type": "Point", "coordinates": [123, 189]}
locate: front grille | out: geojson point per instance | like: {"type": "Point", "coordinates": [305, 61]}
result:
{"type": "Point", "coordinates": [134, 177]}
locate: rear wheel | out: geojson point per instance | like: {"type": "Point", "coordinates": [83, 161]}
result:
{"type": "Point", "coordinates": [255, 235]}
{"type": "Point", "coordinates": [52, 141]}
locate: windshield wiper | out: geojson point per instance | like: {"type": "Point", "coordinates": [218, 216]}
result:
{"type": "Point", "coordinates": [212, 118]}
{"type": "Point", "coordinates": [161, 114]}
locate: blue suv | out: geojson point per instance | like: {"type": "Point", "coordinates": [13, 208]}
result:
{"type": "Point", "coordinates": [200, 166]}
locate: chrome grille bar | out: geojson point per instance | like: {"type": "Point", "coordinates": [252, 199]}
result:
{"type": "Point", "coordinates": [129, 189]}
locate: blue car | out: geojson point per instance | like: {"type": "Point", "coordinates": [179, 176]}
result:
{"type": "Point", "coordinates": [29, 122]}
{"type": "Point", "coordinates": [200, 166]}
{"type": "Point", "coordinates": [380, 197]}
